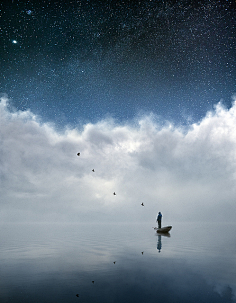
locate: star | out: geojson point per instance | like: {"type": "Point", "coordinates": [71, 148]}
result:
{"type": "Point", "coordinates": [14, 41]}
{"type": "Point", "coordinates": [29, 12]}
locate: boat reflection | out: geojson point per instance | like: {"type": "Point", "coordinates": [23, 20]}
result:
{"type": "Point", "coordinates": [159, 244]}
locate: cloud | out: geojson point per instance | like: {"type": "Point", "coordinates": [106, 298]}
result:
{"type": "Point", "coordinates": [187, 174]}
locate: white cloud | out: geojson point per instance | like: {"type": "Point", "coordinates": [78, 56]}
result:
{"type": "Point", "coordinates": [186, 175]}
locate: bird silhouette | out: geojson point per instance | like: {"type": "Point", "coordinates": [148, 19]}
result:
{"type": "Point", "coordinates": [114, 262]}
{"type": "Point", "coordinates": [142, 252]}
{"type": "Point", "coordinates": [114, 194]}
{"type": "Point", "coordinates": [142, 204]}
{"type": "Point", "coordinates": [77, 295]}
{"type": "Point", "coordinates": [93, 170]}
{"type": "Point", "coordinates": [78, 154]}
{"type": "Point", "coordinates": [93, 282]}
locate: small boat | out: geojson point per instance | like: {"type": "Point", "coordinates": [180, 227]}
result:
{"type": "Point", "coordinates": [165, 229]}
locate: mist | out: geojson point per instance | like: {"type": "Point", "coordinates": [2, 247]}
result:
{"type": "Point", "coordinates": [186, 173]}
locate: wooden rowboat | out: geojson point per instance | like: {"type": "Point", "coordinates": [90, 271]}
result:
{"type": "Point", "coordinates": [165, 229]}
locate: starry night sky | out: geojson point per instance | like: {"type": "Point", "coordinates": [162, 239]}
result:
{"type": "Point", "coordinates": [72, 62]}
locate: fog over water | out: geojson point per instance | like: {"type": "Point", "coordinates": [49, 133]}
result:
{"type": "Point", "coordinates": [187, 172]}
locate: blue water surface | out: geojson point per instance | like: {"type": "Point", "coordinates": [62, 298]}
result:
{"type": "Point", "coordinates": [68, 262]}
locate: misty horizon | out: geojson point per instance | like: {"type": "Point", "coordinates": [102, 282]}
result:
{"type": "Point", "coordinates": [186, 173]}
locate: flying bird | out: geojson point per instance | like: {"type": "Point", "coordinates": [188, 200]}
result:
{"type": "Point", "coordinates": [142, 252]}
{"type": "Point", "coordinates": [78, 154]}
{"type": "Point", "coordinates": [142, 204]}
{"type": "Point", "coordinates": [77, 295]}
{"type": "Point", "coordinates": [114, 193]}
{"type": "Point", "coordinates": [93, 282]}
{"type": "Point", "coordinates": [114, 262]}
{"type": "Point", "coordinates": [93, 170]}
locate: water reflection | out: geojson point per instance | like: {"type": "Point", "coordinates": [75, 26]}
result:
{"type": "Point", "coordinates": [159, 244]}
{"type": "Point", "coordinates": [54, 264]}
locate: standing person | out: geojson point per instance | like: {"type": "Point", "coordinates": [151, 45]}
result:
{"type": "Point", "coordinates": [159, 217]}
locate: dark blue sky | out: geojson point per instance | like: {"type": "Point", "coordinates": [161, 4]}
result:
{"type": "Point", "coordinates": [80, 61]}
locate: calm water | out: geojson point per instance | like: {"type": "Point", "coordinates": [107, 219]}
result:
{"type": "Point", "coordinates": [54, 262]}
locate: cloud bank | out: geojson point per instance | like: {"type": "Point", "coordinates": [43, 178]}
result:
{"type": "Point", "coordinates": [187, 174]}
